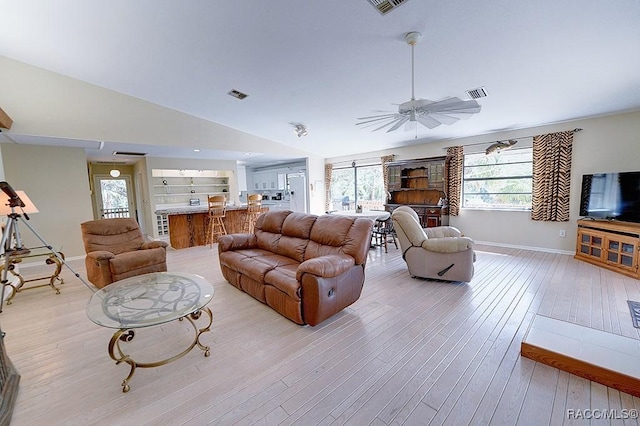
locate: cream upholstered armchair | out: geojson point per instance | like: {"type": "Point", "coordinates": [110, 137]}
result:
{"type": "Point", "coordinates": [116, 249]}
{"type": "Point", "coordinates": [438, 253]}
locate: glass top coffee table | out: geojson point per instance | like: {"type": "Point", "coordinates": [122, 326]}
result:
{"type": "Point", "coordinates": [149, 300]}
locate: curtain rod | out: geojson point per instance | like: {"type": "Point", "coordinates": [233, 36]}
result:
{"type": "Point", "coordinates": [576, 130]}
{"type": "Point", "coordinates": [351, 162]}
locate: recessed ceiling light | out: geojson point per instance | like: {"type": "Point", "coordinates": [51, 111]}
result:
{"type": "Point", "coordinates": [196, 150]}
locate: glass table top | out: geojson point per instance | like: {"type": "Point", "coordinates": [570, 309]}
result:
{"type": "Point", "coordinates": [149, 299]}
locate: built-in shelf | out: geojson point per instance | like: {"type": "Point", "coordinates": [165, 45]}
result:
{"type": "Point", "coordinates": [185, 187]}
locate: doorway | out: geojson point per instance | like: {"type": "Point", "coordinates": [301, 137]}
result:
{"type": "Point", "coordinates": [114, 197]}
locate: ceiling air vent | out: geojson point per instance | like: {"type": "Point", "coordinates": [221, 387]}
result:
{"type": "Point", "coordinates": [386, 6]}
{"type": "Point", "coordinates": [129, 154]}
{"type": "Point", "coordinates": [478, 93]}
{"type": "Point", "coordinates": [237, 94]}
{"type": "Point", "coordinates": [111, 163]}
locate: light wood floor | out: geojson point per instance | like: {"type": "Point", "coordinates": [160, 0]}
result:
{"type": "Point", "coordinates": [408, 352]}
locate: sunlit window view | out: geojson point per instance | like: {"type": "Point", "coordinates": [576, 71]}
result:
{"type": "Point", "coordinates": [114, 198]}
{"type": "Point", "coordinates": [500, 180]}
{"type": "Point", "coordinates": [357, 186]}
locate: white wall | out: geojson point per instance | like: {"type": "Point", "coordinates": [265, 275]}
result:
{"type": "Point", "coordinates": [606, 144]}
{"type": "Point", "coordinates": [56, 180]}
{"type": "Point", "coordinates": [315, 174]}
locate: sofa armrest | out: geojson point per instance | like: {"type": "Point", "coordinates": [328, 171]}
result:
{"type": "Point", "coordinates": [97, 264]}
{"type": "Point", "coordinates": [448, 244]}
{"type": "Point", "coordinates": [100, 255]}
{"type": "Point", "coordinates": [153, 244]}
{"type": "Point", "coordinates": [236, 242]}
{"type": "Point", "coordinates": [328, 266]}
{"type": "Point", "coordinates": [442, 232]}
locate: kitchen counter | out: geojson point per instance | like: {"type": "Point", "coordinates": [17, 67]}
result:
{"type": "Point", "coordinates": [195, 209]}
{"type": "Point", "coordinates": [188, 225]}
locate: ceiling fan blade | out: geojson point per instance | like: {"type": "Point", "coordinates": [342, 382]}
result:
{"type": "Point", "coordinates": [443, 118]}
{"type": "Point", "coordinates": [427, 121]}
{"type": "Point", "coordinates": [375, 120]}
{"type": "Point", "coordinates": [454, 105]}
{"type": "Point", "coordinates": [385, 125]}
{"type": "Point", "coordinates": [391, 114]}
{"type": "Point", "coordinates": [399, 123]}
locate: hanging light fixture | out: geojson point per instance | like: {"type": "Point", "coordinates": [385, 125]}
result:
{"type": "Point", "coordinates": [114, 172]}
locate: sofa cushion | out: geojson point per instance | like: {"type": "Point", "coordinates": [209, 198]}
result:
{"type": "Point", "coordinates": [233, 259]}
{"type": "Point", "coordinates": [138, 259]}
{"type": "Point", "coordinates": [284, 279]}
{"type": "Point", "coordinates": [257, 267]}
{"type": "Point", "coordinates": [298, 225]}
{"type": "Point", "coordinates": [332, 234]}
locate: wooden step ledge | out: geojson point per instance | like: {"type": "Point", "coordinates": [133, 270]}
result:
{"type": "Point", "coordinates": [596, 355]}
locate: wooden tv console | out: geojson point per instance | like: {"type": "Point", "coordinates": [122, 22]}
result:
{"type": "Point", "coordinates": [610, 244]}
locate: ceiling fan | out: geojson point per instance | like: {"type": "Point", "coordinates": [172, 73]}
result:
{"type": "Point", "coordinates": [424, 111]}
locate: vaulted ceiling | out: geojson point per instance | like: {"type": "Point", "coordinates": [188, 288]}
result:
{"type": "Point", "coordinates": [326, 63]}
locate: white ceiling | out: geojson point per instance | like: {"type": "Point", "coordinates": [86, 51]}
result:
{"type": "Point", "coordinates": [325, 63]}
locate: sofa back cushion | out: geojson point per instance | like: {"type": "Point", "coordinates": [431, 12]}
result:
{"type": "Point", "coordinates": [268, 229]}
{"type": "Point", "coordinates": [296, 229]}
{"type": "Point", "coordinates": [119, 235]}
{"type": "Point", "coordinates": [332, 234]}
{"type": "Point", "coordinates": [305, 236]}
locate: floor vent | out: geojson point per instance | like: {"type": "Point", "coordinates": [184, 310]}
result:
{"type": "Point", "coordinates": [478, 93]}
{"type": "Point", "coordinates": [237, 94]}
{"type": "Point", "coordinates": [386, 6]}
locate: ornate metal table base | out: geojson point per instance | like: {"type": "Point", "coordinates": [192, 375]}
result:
{"type": "Point", "coordinates": [126, 335]}
{"type": "Point", "coordinates": [51, 259]}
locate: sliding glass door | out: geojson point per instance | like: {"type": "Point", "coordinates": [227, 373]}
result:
{"type": "Point", "coordinates": [357, 186]}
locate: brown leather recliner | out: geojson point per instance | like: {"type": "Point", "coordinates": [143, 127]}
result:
{"type": "Point", "coordinates": [116, 249]}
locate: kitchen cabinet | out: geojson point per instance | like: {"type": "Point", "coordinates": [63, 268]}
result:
{"type": "Point", "coordinates": [269, 180]}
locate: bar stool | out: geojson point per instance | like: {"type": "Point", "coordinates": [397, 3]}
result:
{"type": "Point", "coordinates": [382, 230]}
{"type": "Point", "coordinates": [217, 209]}
{"type": "Point", "coordinates": [254, 208]}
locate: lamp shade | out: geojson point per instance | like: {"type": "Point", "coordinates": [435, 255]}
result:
{"type": "Point", "coordinates": [28, 208]}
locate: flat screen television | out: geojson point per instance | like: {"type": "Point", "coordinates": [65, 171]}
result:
{"type": "Point", "coordinates": [611, 196]}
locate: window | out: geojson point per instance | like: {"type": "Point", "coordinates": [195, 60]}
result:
{"type": "Point", "coordinates": [498, 181]}
{"type": "Point", "coordinates": [357, 186]}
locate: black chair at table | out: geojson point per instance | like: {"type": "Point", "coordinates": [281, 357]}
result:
{"type": "Point", "coordinates": [382, 230]}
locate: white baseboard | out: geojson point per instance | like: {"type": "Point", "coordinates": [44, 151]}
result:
{"type": "Point", "coordinates": [515, 246]}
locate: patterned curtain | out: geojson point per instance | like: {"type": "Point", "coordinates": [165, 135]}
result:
{"type": "Point", "coordinates": [551, 176]}
{"type": "Point", "coordinates": [385, 172]}
{"type": "Point", "coordinates": [456, 161]}
{"type": "Point", "coordinates": [328, 169]}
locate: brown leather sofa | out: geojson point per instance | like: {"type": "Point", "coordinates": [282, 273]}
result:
{"type": "Point", "coordinates": [116, 249]}
{"type": "Point", "coordinates": [306, 267]}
